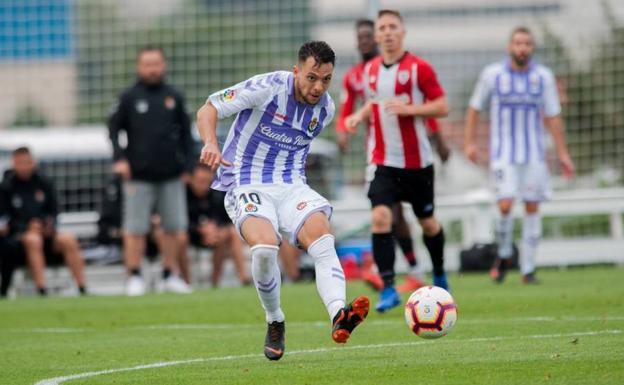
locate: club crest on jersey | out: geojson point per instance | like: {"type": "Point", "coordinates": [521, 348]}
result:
{"type": "Point", "coordinates": [312, 125]}
{"type": "Point", "coordinates": [302, 205]}
{"type": "Point", "coordinates": [141, 106]}
{"type": "Point", "coordinates": [251, 208]}
{"type": "Point", "coordinates": [228, 95]}
{"type": "Point", "coordinates": [403, 76]}
{"type": "Point", "coordinates": [170, 102]}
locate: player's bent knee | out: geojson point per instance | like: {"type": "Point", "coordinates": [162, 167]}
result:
{"type": "Point", "coordinates": [257, 231]}
{"type": "Point", "coordinates": [382, 218]}
{"type": "Point", "coordinates": [430, 226]}
{"type": "Point", "coordinates": [315, 227]}
{"type": "Point", "coordinates": [261, 238]}
{"type": "Point", "coordinates": [504, 206]}
{"type": "Point", "coordinates": [531, 207]}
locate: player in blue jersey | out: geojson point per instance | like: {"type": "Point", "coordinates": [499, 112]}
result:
{"type": "Point", "coordinates": [262, 170]}
{"type": "Point", "coordinates": [522, 98]}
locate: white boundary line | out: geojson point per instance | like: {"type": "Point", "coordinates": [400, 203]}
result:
{"type": "Point", "coordinates": [208, 326]}
{"type": "Point", "coordinates": [56, 330]}
{"type": "Point", "coordinates": [60, 380]}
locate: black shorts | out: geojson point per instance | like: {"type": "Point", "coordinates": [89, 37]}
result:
{"type": "Point", "coordinates": [391, 185]}
{"type": "Point", "coordinates": [52, 258]}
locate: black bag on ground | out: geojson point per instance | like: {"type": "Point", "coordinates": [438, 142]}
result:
{"type": "Point", "coordinates": [481, 256]}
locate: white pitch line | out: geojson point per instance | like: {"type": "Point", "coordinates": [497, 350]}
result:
{"type": "Point", "coordinates": [60, 380]}
{"type": "Point", "coordinates": [57, 330]}
{"type": "Point", "coordinates": [377, 322]}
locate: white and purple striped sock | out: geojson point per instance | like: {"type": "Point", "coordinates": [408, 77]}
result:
{"type": "Point", "coordinates": [267, 279]}
{"type": "Point", "coordinates": [330, 279]}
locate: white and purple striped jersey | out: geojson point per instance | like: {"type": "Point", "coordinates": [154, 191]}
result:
{"type": "Point", "coordinates": [518, 103]}
{"type": "Point", "coordinates": [269, 141]}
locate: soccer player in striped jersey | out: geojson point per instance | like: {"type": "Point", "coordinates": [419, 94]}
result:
{"type": "Point", "coordinates": [522, 98]}
{"type": "Point", "coordinates": [403, 91]}
{"type": "Point", "coordinates": [352, 94]}
{"type": "Point", "coordinates": [262, 167]}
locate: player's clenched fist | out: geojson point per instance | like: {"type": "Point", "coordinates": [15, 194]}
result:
{"type": "Point", "coordinates": [352, 121]}
{"type": "Point", "coordinates": [211, 156]}
{"type": "Point", "coordinates": [470, 150]}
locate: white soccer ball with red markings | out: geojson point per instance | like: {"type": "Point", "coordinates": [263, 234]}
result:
{"type": "Point", "coordinates": [430, 312]}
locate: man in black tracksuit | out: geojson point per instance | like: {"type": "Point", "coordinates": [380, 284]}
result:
{"type": "Point", "coordinates": [31, 210]}
{"type": "Point", "coordinates": [158, 153]}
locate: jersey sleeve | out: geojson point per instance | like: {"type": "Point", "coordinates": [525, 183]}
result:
{"type": "Point", "coordinates": [432, 126]}
{"type": "Point", "coordinates": [428, 82]}
{"type": "Point", "coordinates": [118, 121]}
{"type": "Point", "coordinates": [552, 106]}
{"type": "Point", "coordinates": [482, 92]}
{"type": "Point", "coordinates": [347, 103]}
{"type": "Point", "coordinates": [244, 95]}
{"type": "Point", "coordinates": [331, 111]}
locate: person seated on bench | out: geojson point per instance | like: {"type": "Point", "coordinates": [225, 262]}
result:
{"type": "Point", "coordinates": [32, 212]}
{"type": "Point", "coordinates": [210, 226]}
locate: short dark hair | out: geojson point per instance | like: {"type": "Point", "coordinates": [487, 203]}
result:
{"type": "Point", "coordinates": [391, 12]}
{"type": "Point", "coordinates": [364, 23]}
{"type": "Point", "coordinates": [520, 29]}
{"type": "Point", "coordinates": [319, 50]}
{"type": "Point", "coordinates": [21, 151]}
{"type": "Point", "coordinates": [150, 48]}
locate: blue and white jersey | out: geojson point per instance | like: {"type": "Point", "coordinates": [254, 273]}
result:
{"type": "Point", "coordinates": [269, 141]}
{"type": "Point", "coordinates": [518, 103]}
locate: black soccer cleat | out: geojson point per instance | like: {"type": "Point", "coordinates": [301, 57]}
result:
{"type": "Point", "coordinates": [348, 318]}
{"type": "Point", "coordinates": [274, 340]}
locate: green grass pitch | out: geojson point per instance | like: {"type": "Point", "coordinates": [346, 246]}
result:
{"type": "Point", "coordinates": [568, 330]}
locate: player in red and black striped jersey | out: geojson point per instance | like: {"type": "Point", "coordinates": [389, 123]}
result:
{"type": "Point", "coordinates": [403, 92]}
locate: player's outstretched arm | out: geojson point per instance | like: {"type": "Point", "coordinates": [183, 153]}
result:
{"type": "Point", "coordinates": [470, 128]}
{"type": "Point", "coordinates": [207, 125]}
{"type": "Point", "coordinates": [361, 115]}
{"type": "Point", "coordinates": [555, 126]}
{"type": "Point", "coordinates": [437, 108]}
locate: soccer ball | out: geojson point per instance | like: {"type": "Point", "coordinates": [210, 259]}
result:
{"type": "Point", "coordinates": [430, 312]}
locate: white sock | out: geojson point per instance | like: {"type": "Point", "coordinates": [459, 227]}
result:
{"type": "Point", "coordinates": [504, 235]}
{"type": "Point", "coordinates": [531, 234]}
{"type": "Point", "coordinates": [330, 279]}
{"type": "Point", "coordinates": [267, 279]}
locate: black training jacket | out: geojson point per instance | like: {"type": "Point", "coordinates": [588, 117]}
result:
{"type": "Point", "coordinates": [25, 200]}
{"type": "Point", "coordinates": [154, 117]}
